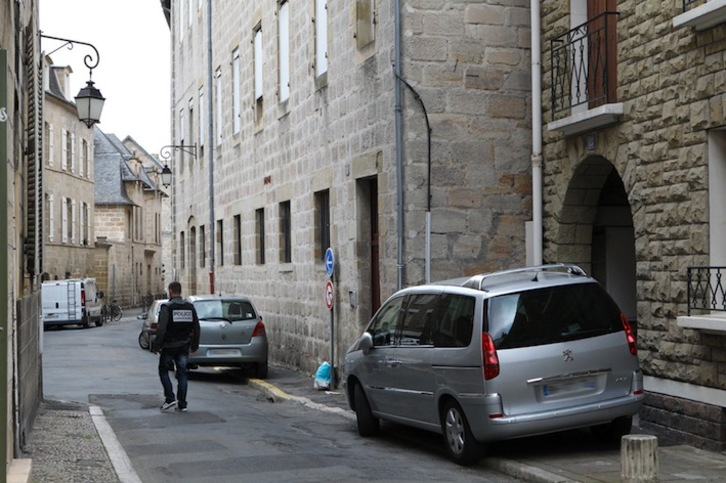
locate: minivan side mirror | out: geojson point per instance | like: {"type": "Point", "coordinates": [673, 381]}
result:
{"type": "Point", "coordinates": [365, 343]}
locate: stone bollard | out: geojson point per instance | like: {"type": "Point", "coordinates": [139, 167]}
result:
{"type": "Point", "coordinates": [638, 458]}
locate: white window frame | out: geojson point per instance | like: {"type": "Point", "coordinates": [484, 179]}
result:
{"type": "Point", "coordinates": [283, 25]}
{"type": "Point", "coordinates": [236, 114]}
{"type": "Point", "coordinates": [51, 218]}
{"type": "Point", "coordinates": [181, 126]}
{"type": "Point", "coordinates": [64, 149]}
{"type": "Point", "coordinates": [182, 29]}
{"type": "Point", "coordinates": [85, 224]}
{"type": "Point", "coordinates": [74, 223]}
{"type": "Point", "coordinates": [218, 76]}
{"type": "Point", "coordinates": [51, 145]}
{"type": "Point", "coordinates": [201, 116]}
{"type": "Point", "coordinates": [191, 121]}
{"type": "Point", "coordinates": [321, 37]}
{"type": "Point", "coordinates": [64, 220]}
{"type": "Point", "coordinates": [257, 36]}
{"type": "Point", "coordinates": [74, 154]}
{"type": "Point", "coordinates": [83, 161]}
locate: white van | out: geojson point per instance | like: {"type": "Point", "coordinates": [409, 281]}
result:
{"type": "Point", "coordinates": [72, 301]}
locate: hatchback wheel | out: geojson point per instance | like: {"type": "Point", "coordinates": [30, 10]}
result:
{"type": "Point", "coordinates": [144, 341]}
{"type": "Point", "coordinates": [261, 370]}
{"type": "Point", "coordinates": [99, 322]}
{"type": "Point", "coordinates": [463, 448]}
{"type": "Point", "coordinates": [368, 425]}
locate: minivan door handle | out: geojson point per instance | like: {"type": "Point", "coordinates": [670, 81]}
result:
{"type": "Point", "coordinates": [392, 362]}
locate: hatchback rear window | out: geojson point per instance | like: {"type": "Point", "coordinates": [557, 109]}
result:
{"type": "Point", "coordinates": [225, 309]}
{"type": "Point", "coordinates": [551, 315]}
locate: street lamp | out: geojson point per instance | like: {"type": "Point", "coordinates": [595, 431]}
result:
{"type": "Point", "coordinates": [166, 175]}
{"type": "Point", "coordinates": [89, 101]}
{"type": "Point", "coordinates": [165, 153]}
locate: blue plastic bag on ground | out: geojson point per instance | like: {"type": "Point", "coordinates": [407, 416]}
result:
{"type": "Point", "coordinates": [322, 377]}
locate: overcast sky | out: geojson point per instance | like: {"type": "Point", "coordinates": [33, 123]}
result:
{"type": "Point", "coordinates": [132, 39]}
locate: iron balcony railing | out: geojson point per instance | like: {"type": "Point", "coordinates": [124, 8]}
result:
{"type": "Point", "coordinates": [580, 64]}
{"type": "Point", "coordinates": [706, 290]}
{"type": "Point", "coordinates": [689, 4]}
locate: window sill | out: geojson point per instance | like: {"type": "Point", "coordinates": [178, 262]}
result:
{"type": "Point", "coordinates": [588, 120]}
{"type": "Point", "coordinates": [703, 17]}
{"type": "Point", "coordinates": [710, 324]}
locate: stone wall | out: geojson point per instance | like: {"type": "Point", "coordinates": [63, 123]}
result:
{"type": "Point", "coordinates": [470, 65]}
{"type": "Point", "coordinates": [670, 82]}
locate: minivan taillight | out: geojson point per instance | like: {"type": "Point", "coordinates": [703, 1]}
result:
{"type": "Point", "coordinates": [83, 297]}
{"type": "Point", "coordinates": [629, 334]}
{"type": "Point", "coordinates": [489, 357]}
{"type": "Point", "coordinates": [259, 329]}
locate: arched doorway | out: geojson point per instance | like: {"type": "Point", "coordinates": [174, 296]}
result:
{"type": "Point", "coordinates": [596, 230]}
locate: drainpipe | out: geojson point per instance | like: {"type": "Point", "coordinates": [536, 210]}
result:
{"type": "Point", "coordinates": [5, 321]}
{"type": "Point", "coordinates": [210, 148]}
{"type": "Point", "coordinates": [399, 144]}
{"type": "Point", "coordinates": [536, 133]}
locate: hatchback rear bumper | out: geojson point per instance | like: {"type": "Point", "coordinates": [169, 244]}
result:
{"type": "Point", "coordinates": [230, 355]}
{"type": "Point", "coordinates": [601, 412]}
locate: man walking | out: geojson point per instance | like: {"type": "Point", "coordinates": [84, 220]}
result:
{"type": "Point", "coordinates": [177, 334]}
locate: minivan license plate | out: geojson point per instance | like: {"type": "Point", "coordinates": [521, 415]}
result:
{"type": "Point", "coordinates": [569, 387]}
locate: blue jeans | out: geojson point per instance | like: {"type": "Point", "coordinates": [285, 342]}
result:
{"type": "Point", "coordinates": [177, 356]}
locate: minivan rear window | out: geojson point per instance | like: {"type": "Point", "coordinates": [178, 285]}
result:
{"type": "Point", "coordinates": [551, 315]}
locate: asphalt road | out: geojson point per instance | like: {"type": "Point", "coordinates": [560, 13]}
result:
{"type": "Point", "coordinates": [231, 432]}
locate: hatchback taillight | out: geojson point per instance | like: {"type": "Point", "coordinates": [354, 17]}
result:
{"type": "Point", "coordinates": [154, 326]}
{"type": "Point", "coordinates": [489, 357]}
{"type": "Point", "coordinates": [629, 334]}
{"type": "Point", "coordinates": [259, 329]}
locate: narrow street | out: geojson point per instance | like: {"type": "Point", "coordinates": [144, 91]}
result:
{"type": "Point", "coordinates": [231, 432]}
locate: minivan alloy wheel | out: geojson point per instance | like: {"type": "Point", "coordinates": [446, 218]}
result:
{"type": "Point", "coordinates": [463, 448]}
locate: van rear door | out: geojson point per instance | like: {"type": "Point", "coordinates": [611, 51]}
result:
{"type": "Point", "coordinates": [61, 302]}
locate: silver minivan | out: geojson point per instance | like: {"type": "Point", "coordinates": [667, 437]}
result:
{"type": "Point", "coordinates": [497, 356]}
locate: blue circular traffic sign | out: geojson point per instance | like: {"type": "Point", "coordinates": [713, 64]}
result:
{"type": "Point", "coordinates": [329, 262]}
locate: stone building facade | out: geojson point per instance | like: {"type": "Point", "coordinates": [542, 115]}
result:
{"type": "Point", "coordinates": [68, 222]}
{"type": "Point", "coordinates": [634, 161]}
{"type": "Point", "coordinates": [128, 203]}
{"type": "Point", "coordinates": [307, 153]}
{"type": "Point", "coordinates": [21, 247]}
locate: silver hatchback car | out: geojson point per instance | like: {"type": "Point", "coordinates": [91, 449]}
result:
{"type": "Point", "coordinates": [232, 333]}
{"type": "Point", "coordinates": [497, 356]}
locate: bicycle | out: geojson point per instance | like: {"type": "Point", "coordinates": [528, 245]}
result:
{"type": "Point", "coordinates": [111, 311]}
{"type": "Point", "coordinates": [115, 311]}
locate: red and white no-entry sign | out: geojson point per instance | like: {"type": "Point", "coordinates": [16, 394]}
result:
{"type": "Point", "coordinates": [329, 294]}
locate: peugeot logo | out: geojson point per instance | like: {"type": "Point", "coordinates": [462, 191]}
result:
{"type": "Point", "coordinates": [567, 355]}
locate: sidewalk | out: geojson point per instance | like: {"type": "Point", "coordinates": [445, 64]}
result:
{"type": "Point", "coordinates": [65, 445]}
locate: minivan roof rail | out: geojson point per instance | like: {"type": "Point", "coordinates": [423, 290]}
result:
{"type": "Point", "coordinates": [477, 281]}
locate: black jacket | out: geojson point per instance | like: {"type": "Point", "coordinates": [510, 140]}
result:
{"type": "Point", "coordinates": [178, 326]}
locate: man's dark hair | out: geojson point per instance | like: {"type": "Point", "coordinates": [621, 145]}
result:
{"type": "Point", "coordinates": [175, 288]}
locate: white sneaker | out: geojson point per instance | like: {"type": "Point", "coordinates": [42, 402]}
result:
{"type": "Point", "coordinates": [167, 405]}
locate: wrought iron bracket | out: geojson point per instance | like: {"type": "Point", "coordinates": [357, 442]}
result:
{"type": "Point", "coordinates": [166, 151]}
{"type": "Point", "coordinates": [88, 59]}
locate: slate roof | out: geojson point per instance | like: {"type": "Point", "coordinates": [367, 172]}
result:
{"type": "Point", "coordinates": [111, 169]}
